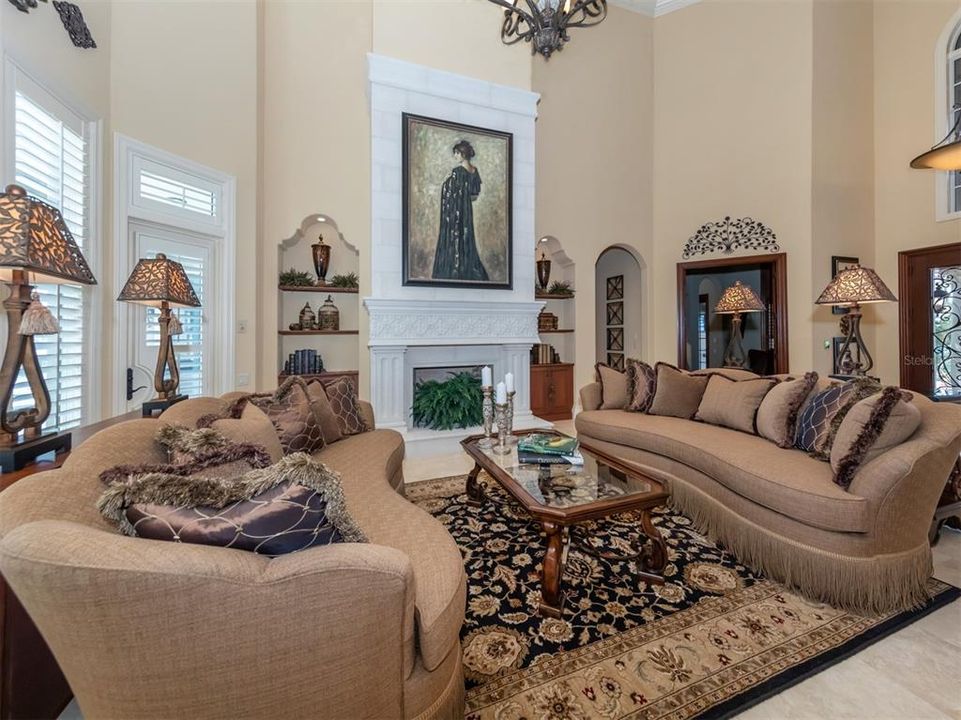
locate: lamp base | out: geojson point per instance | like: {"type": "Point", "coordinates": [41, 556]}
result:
{"type": "Point", "coordinates": [14, 457]}
{"type": "Point", "coordinates": [158, 405]}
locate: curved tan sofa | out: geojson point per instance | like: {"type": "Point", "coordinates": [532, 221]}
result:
{"type": "Point", "coordinates": [147, 629]}
{"type": "Point", "coordinates": [779, 510]}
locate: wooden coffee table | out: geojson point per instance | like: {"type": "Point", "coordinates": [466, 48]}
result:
{"type": "Point", "coordinates": [560, 496]}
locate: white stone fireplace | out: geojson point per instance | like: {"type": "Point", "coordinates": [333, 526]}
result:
{"type": "Point", "coordinates": [417, 327]}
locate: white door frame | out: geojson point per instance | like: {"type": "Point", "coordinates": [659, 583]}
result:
{"type": "Point", "coordinates": [128, 155]}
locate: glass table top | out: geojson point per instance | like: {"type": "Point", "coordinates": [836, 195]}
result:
{"type": "Point", "coordinates": [561, 485]}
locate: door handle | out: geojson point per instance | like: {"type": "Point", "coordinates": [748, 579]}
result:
{"type": "Point", "coordinates": [130, 388]}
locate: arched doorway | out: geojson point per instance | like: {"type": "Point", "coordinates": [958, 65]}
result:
{"type": "Point", "coordinates": [617, 303]}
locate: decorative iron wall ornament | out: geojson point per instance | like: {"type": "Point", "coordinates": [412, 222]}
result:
{"type": "Point", "coordinates": [24, 6]}
{"type": "Point", "coordinates": [728, 235]}
{"type": "Point", "coordinates": [72, 19]}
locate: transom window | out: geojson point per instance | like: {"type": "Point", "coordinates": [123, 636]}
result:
{"type": "Point", "coordinates": [954, 109]}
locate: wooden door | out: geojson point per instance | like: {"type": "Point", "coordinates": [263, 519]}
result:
{"type": "Point", "coordinates": [929, 285]}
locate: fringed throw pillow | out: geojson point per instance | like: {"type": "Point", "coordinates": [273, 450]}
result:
{"type": "Point", "coordinates": [778, 414]}
{"type": "Point", "coordinates": [228, 461]}
{"type": "Point", "coordinates": [293, 505]}
{"type": "Point", "coordinates": [820, 420]}
{"type": "Point", "coordinates": [871, 427]}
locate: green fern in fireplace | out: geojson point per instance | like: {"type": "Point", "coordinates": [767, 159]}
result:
{"type": "Point", "coordinates": [454, 403]}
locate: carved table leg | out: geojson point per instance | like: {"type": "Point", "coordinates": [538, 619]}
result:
{"type": "Point", "coordinates": [552, 570]}
{"type": "Point", "coordinates": [475, 493]}
{"type": "Point", "coordinates": [654, 558]}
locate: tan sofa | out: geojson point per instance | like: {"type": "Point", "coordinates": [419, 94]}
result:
{"type": "Point", "coordinates": [147, 629]}
{"type": "Point", "coordinates": [779, 510]}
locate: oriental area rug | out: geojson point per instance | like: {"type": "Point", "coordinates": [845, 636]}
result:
{"type": "Point", "coordinates": [715, 639]}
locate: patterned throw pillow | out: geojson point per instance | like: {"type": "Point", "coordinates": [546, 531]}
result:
{"type": "Point", "coordinates": [820, 420]}
{"type": "Point", "coordinates": [290, 506]}
{"type": "Point", "coordinates": [778, 415]}
{"type": "Point", "coordinates": [614, 387]}
{"type": "Point", "coordinates": [641, 383]}
{"type": "Point", "coordinates": [288, 408]}
{"type": "Point", "coordinates": [342, 396]}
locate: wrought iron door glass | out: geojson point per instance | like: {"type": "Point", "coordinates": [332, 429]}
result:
{"type": "Point", "coordinates": [946, 326]}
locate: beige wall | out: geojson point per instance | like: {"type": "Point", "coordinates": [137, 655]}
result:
{"type": "Point", "coordinates": [733, 136]}
{"type": "Point", "coordinates": [184, 79]}
{"type": "Point", "coordinates": [594, 167]}
{"type": "Point", "coordinates": [842, 191]}
{"type": "Point", "coordinates": [905, 34]}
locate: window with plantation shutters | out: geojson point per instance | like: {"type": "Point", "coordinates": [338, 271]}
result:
{"type": "Point", "coordinates": [954, 103]}
{"type": "Point", "coordinates": [51, 159]}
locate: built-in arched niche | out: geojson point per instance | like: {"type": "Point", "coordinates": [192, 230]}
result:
{"type": "Point", "coordinates": [338, 348]}
{"type": "Point", "coordinates": [618, 309]}
{"type": "Point", "coordinates": [557, 301]}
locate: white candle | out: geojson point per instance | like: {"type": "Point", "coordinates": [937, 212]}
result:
{"type": "Point", "coordinates": [509, 382]}
{"type": "Point", "coordinates": [500, 395]}
{"type": "Point", "coordinates": [486, 378]}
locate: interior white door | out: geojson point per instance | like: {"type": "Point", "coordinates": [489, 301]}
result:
{"type": "Point", "coordinates": [192, 347]}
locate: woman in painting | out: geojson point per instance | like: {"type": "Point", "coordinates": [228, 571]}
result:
{"type": "Point", "coordinates": [456, 256]}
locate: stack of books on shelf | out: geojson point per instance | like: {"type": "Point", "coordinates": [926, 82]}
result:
{"type": "Point", "coordinates": [303, 362]}
{"type": "Point", "coordinates": [546, 449]}
{"type": "Point", "coordinates": [544, 354]}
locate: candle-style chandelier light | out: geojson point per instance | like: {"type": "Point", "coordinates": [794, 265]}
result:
{"type": "Point", "coordinates": [544, 23]}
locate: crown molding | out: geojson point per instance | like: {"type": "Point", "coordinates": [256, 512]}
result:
{"type": "Point", "coordinates": [653, 8]}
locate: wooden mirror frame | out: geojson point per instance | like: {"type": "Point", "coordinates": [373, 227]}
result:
{"type": "Point", "coordinates": [777, 263]}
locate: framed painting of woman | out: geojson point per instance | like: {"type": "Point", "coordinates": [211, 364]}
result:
{"type": "Point", "coordinates": [457, 205]}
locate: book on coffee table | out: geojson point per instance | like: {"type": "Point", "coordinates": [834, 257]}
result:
{"type": "Point", "coordinates": [544, 444]}
{"type": "Point", "coordinates": [530, 458]}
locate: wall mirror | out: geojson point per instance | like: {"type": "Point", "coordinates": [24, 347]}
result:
{"type": "Point", "coordinates": [703, 335]}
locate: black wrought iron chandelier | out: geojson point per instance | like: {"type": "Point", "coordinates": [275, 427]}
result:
{"type": "Point", "coordinates": [544, 23]}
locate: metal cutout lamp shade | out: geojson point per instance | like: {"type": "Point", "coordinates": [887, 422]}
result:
{"type": "Point", "coordinates": [851, 288]}
{"type": "Point", "coordinates": [737, 299]}
{"type": "Point", "coordinates": [161, 282]}
{"type": "Point", "coordinates": [33, 239]}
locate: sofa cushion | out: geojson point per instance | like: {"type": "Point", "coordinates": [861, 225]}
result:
{"type": "Point", "coordinates": [733, 403]}
{"type": "Point", "coordinates": [291, 506]}
{"type": "Point", "coordinates": [787, 481]}
{"type": "Point", "coordinates": [777, 416]}
{"type": "Point", "coordinates": [871, 427]}
{"type": "Point", "coordinates": [641, 382]}
{"type": "Point", "coordinates": [288, 408]}
{"type": "Point", "coordinates": [615, 388]}
{"type": "Point", "coordinates": [388, 519]}
{"type": "Point", "coordinates": [678, 392]}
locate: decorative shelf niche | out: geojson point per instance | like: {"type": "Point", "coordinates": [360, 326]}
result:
{"type": "Point", "coordinates": [338, 348]}
{"type": "Point", "coordinates": [562, 305]}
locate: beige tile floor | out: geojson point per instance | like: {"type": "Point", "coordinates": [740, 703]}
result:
{"type": "Point", "coordinates": [914, 674]}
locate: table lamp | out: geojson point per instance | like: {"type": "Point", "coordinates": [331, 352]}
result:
{"type": "Point", "coordinates": [737, 299]}
{"type": "Point", "coordinates": [161, 283]}
{"type": "Point", "coordinates": [851, 288]}
{"type": "Point", "coordinates": [34, 240]}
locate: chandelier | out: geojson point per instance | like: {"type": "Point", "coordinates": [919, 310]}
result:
{"type": "Point", "coordinates": [544, 23]}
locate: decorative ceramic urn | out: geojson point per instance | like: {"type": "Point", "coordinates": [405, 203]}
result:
{"type": "Point", "coordinates": [328, 316]}
{"type": "Point", "coordinates": [321, 253]}
{"type": "Point", "coordinates": [543, 271]}
{"type": "Point", "coordinates": [307, 317]}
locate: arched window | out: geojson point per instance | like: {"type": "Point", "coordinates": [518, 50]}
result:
{"type": "Point", "coordinates": [954, 111]}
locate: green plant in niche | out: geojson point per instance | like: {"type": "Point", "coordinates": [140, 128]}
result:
{"type": "Point", "coordinates": [345, 281]}
{"type": "Point", "coordinates": [296, 278]}
{"type": "Point", "coordinates": [559, 287]}
{"type": "Point", "coordinates": [454, 403]}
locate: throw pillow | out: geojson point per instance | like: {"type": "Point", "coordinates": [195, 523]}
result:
{"type": "Point", "coordinates": [819, 421]}
{"type": "Point", "coordinates": [614, 387]}
{"type": "Point", "coordinates": [288, 408]}
{"type": "Point", "coordinates": [290, 506]}
{"type": "Point", "coordinates": [184, 445]}
{"type": "Point", "coordinates": [678, 393]}
{"type": "Point", "coordinates": [733, 403]}
{"type": "Point", "coordinates": [228, 461]}
{"type": "Point", "coordinates": [252, 426]}
{"type": "Point", "coordinates": [778, 414]}
{"type": "Point", "coordinates": [320, 404]}
{"type": "Point", "coordinates": [872, 426]}
{"type": "Point", "coordinates": [342, 396]}
{"type": "Point", "coordinates": [641, 383]}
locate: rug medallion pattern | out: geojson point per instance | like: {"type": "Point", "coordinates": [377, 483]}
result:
{"type": "Point", "coordinates": [713, 632]}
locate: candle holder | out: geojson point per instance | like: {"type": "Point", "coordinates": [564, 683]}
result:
{"type": "Point", "coordinates": [503, 447]}
{"type": "Point", "coordinates": [488, 409]}
{"type": "Point", "coordinates": [511, 438]}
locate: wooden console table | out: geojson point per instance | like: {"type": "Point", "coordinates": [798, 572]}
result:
{"type": "Point", "coordinates": [31, 684]}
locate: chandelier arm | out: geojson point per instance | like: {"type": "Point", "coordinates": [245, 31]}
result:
{"type": "Point", "coordinates": [509, 6]}
{"type": "Point", "coordinates": [511, 32]}
{"type": "Point", "coordinates": [592, 12]}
